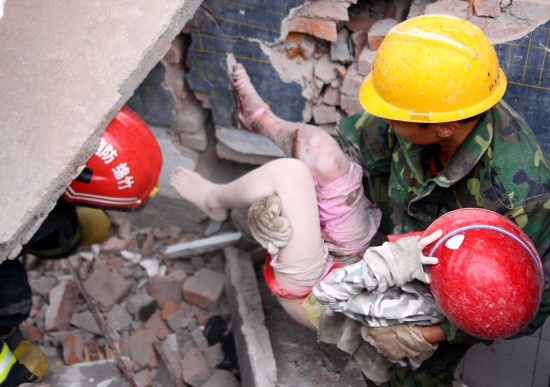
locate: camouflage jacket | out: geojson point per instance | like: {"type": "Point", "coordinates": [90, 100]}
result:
{"type": "Point", "coordinates": [499, 167]}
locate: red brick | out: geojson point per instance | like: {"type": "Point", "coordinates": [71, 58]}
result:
{"type": "Point", "coordinates": [322, 29]}
{"type": "Point", "coordinates": [156, 326]}
{"type": "Point", "coordinates": [300, 44]}
{"type": "Point", "coordinates": [72, 349]}
{"type": "Point", "coordinates": [167, 288]}
{"type": "Point", "coordinates": [359, 39]}
{"type": "Point", "coordinates": [63, 299]}
{"type": "Point", "coordinates": [456, 8]}
{"type": "Point", "coordinates": [107, 286]}
{"type": "Point", "coordinates": [169, 308]}
{"type": "Point", "coordinates": [221, 378]}
{"type": "Point", "coordinates": [326, 10]}
{"type": "Point", "coordinates": [201, 317]}
{"type": "Point", "coordinates": [86, 321]}
{"type": "Point", "coordinates": [141, 349]}
{"type": "Point", "coordinates": [195, 369]}
{"type": "Point", "coordinates": [397, 9]}
{"type": "Point", "coordinates": [341, 71]}
{"type": "Point", "coordinates": [114, 244]}
{"type": "Point", "coordinates": [378, 32]}
{"type": "Point", "coordinates": [359, 23]}
{"type": "Point", "coordinates": [143, 378]}
{"type": "Point", "coordinates": [204, 289]}
{"type": "Point", "coordinates": [31, 332]}
{"type": "Point", "coordinates": [487, 8]}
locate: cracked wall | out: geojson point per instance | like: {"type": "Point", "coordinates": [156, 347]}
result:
{"type": "Point", "coordinates": [308, 58]}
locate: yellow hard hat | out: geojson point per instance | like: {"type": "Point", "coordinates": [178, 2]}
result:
{"type": "Point", "coordinates": [433, 68]}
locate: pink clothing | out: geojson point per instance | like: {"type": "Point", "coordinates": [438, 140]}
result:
{"type": "Point", "coordinates": [280, 291]}
{"type": "Point", "coordinates": [348, 219]}
{"type": "Point", "coordinates": [348, 223]}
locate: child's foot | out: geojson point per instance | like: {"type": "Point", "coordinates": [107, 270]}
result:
{"type": "Point", "coordinates": [250, 106]}
{"type": "Point", "coordinates": [194, 188]}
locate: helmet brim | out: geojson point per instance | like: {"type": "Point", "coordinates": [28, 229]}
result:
{"type": "Point", "coordinates": [374, 104]}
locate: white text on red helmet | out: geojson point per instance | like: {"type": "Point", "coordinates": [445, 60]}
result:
{"type": "Point", "coordinates": [121, 172]}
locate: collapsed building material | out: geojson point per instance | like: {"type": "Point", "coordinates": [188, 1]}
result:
{"type": "Point", "coordinates": [200, 246]}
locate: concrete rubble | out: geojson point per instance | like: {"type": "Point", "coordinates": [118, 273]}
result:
{"type": "Point", "coordinates": [47, 133]}
{"type": "Point", "coordinates": [194, 321]}
{"type": "Point", "coordinates": [159, 320]}
{"type": "Point", "coordinates": [327, 47]}
{"type": "Point", "coordinates": [169, 316]}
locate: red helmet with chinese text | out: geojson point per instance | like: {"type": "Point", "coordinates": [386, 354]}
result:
{"type": "Point", "coordinates": [489, 279]}
{"type": "Point", "coordinates": [123, 172]}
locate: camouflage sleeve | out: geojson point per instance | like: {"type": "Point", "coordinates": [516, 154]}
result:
{"type": "Point", "coordinates": [534, 219]}
{"type": "Point", "coordinates": [368, 140]}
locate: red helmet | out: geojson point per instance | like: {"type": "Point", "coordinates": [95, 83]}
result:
{"type": "Point", "coordinates": [123, 172]}
{"type": "Point", "coordinates": [489, 279]}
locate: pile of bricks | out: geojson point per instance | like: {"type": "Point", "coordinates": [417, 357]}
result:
{"type": "Point", "coordinates": [340, 39]}
{"type": "Point", "coordinates": [158, 313]}
{"type": "Point", "coordinates": [328, 47]}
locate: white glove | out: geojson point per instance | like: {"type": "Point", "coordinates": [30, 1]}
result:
{"type": "Point", "coordinates": [408, 258]}
{"type": "Point", "coordinates": [422, 243]}
{"type": "Point", "coordinates": [271, 230]}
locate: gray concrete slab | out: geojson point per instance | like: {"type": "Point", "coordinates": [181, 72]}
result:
{"type": "Point", "coordinates": [255, 356]}
{"type": "Point", "coordinates": [300, 360]}
{"type": "Point", "coordinates": [102, 373]}
{"type": "Point", "coordinates": [66, 68]}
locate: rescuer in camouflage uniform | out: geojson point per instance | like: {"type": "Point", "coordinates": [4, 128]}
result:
{"type": "Point", "coordinates": [435, 137]}
{"type": "Point", "coordinates": [499, 166]}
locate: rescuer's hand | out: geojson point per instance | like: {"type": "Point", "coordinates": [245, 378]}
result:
{"type": "Point", "coordinates": [432, 333]}
{"type": "Point", "coordinates": [271, 230]}
{"type": "Point", "coordinates": [398, 342]}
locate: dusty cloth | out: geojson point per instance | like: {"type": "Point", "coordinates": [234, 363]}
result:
{"type": "Point", "coordinates": [345, 333]}
{"type": "Point", "coordinates": [300, 278]}
{"type": "Point", "coordinates": [355, 338]}
{"type": "Point", "coordinates": [384, 288]}
{"type": "Point", "coordinates": [348, 219]}
{"type": "Point", "coordinates": [305, 272]}
{"type": "Point", "coordinates": [271, 230]}
{"type": "Point", "coordinates": [378, 300]}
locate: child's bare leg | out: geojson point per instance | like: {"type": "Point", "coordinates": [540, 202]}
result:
{"type": "Point", "coordinates": [289, 179]}
{"type": "Point", "coordinates": [340, 194]}
{"type": "Point", "coordinates": [194, 188]}
{"type": "Point", "coordinates": [308, 143]}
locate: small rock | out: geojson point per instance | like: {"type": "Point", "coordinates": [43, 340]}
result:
{"type": "Point", "coordinates": [195, 369]}
{"type": "Point", "coordinates": [141, 306]}
{"type": "Point", "coordinates": [204, 289]}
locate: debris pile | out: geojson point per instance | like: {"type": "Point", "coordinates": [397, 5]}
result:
{"type": "Point", "coordinates": [329, 46]}
{"type": "Point", "coordinates": [165, 321]}
{"type": "Point", "coordinates": [325, 46]}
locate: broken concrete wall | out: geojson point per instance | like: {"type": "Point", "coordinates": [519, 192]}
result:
{"type": "Point", "coordinates": [66, 69]}
{"type": "Point", "coordinates": [307, 59]}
